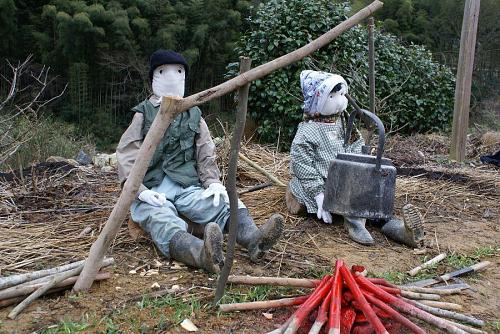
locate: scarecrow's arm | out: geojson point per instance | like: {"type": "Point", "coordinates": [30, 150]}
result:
{"type": "Point", "coordinates": [206, 159]}
{"type": "Point", "coordinates": [302, 158]}
{"type": "Point", "coordinates": [127, 149]}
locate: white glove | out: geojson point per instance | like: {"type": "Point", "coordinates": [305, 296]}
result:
{"type": "Point", "coordinates": [216, 190]}
{"type": "Point", "coordinates": [152, 197]}
{"type": "Point", "coordinates": [322, 214]}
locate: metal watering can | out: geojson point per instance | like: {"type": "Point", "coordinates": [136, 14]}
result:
{"type": "Point", "coordinates": [361, 185]}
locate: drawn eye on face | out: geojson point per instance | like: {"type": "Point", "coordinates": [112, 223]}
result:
{"type": "Point", "coordinates": [161, 71]}
{"type": "Point", "coordinates": [179, 70]}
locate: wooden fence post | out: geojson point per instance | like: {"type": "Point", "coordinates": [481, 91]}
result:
{"type": "Point", "coordinates": [464, 80]}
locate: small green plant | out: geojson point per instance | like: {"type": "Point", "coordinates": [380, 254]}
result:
{"type": "Point", "coordinates": [67, 326]}
{"type": "Point", "coordinates": [459, 261]}
{"type": "Point", "coordinates": [111, 328]}
{"type": "Point", "coordinates": [181, 309]}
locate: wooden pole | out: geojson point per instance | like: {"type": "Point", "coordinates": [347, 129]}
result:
{"type": "Point", "coordinates": [371, 74]}
{"type": "Point", "coordinates": [241, 115]}
{"type": "Point", "coordinates": [171, 107]}
{"type": "Point", "coordinates": [464, 80]}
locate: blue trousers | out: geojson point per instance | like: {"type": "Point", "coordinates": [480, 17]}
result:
{"type": "Point", "coordinates": [162, 222]}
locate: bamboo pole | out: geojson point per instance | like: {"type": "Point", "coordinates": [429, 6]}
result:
{"type": "Point", "coordinates": [245, 64]}
{"type": "Point", "coordinates": [170, 108]}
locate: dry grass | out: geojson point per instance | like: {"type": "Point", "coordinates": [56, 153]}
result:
{"type": "Point", "coordinates": [53, 218]}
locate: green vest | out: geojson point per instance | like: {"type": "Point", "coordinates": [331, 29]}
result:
{"type": "Point", "coordinates": [175, 155]}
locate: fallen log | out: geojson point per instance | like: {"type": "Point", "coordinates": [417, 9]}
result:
{"type": "Point", "coordinates": [264, 304]}
{"type": "Point", "coordinates": [24, 290]}
{"type": "Point", "coordinates": [279, 281]}
{"type": "Point", "coordinates": [427, 264]}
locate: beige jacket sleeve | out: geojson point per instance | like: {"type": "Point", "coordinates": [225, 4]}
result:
{"type": "Point", "coordinates": [208, 172]}
{"type": "Point", "coordinates": [127, 149]}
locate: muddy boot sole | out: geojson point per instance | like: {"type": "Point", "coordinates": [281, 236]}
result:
{"type": "Point", "coordinates": [212, 246]}
{"type": "Point", "coordinates": [414, 226]}
{"type": "Point", "coordinates": [270, 232]}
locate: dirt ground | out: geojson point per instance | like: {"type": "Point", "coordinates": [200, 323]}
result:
{"type": "Point", "coordinates": [460, 203]}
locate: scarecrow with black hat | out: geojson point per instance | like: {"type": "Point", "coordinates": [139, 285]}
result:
{"type": "Point", "coordinates": [183, 179]}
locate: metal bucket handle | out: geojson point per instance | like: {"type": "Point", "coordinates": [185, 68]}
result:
{"type": "Point", "coordinates": [374, 118]}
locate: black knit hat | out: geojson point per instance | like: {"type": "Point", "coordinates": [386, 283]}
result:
{"type": "Point", "coordinates": [162, 57]}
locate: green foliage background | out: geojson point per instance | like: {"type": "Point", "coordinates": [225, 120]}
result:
{"type": "Point", "coordinates": [414, 93]}
{"type": "Point", "coordinates": [101, 50]}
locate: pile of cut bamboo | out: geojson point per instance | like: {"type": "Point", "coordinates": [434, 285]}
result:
{"type": "Point", "coordinates": [15, 288]}
{"type": "Point", "coordinates": [349, 302]}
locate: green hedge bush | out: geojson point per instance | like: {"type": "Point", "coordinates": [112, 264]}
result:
{"type": "Point", "coordinates": [414, 93]}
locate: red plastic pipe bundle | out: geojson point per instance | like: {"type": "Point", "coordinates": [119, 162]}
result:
{"type": "Point", "coordinates": [347, 302]}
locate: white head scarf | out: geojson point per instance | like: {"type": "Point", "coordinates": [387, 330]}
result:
{"type": "Point", "coordinates": [316, 87]}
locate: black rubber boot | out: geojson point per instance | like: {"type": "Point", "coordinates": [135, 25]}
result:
{"type": "Point", "coordinates": [409, 232]}
{"type": "Point", "coordinates": [205, 254]}
{"type": "Point", "coordinates": [356, 228]}
{"type": "Point", "coordinates": [258, 240]}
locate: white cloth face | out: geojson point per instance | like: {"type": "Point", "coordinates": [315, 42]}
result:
{"type": "Point", "coordinates": [169, 80]}
{"type": "Point", "coordinates": [336, 102]}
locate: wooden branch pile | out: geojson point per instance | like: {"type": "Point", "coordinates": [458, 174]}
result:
{"type": "Point", "coordinates": [15, 288]}
{"type": "Point", "coordinates": [348, 302]}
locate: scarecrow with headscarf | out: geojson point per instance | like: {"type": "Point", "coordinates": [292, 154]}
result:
{"type": "Point", "coordinates": [319, 138]}
{"type": "Point", "coordinates": [183, 180]}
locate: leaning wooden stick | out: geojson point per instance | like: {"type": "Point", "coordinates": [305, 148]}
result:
{"type": "Point", "coordinates": [245, 64]}
{"type": "Point", "coordinates": [169, 109]}
{"type": "Point", "coordinates": [264, 304]}
{"type": "Point", "coordinates": [49, 285]}
{"type": "Point", "coordinates": [279, 281]}
{"type": "Point", "coordinates": [427, 264]}
{"type": "Point", "coordinates": [262, 171]}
